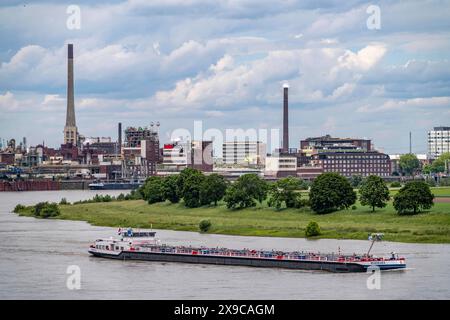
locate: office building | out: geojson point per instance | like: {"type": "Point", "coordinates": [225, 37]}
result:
{"type": "Point", "coordinates": [438, 141]}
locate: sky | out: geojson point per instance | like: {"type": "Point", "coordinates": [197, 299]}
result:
{"type": "Point", "coordinates": [351, 72]}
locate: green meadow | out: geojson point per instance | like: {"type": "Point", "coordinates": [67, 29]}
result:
{"type": "Point", "coordinates": [431, 226]}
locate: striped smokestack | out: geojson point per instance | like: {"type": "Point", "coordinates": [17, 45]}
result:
{"type": "Point", "coordinates": [285, 118]}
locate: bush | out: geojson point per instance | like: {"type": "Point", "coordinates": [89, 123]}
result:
{"type": "Point", "coordinates": [413, 197]}
{"type": "Point", "coordinates": [396, 184]}
{"type": "Point", "coordinates": [312, 229]}
{"type": "Point", "coordinates": [204, 225]}
{"type": "Point", "coordinates": [38, 208]}
{"type": "Point", "coordinates": [444, 182]}
{"type": "Point", "coordinates": [46, 210]}
{"type": "Point", "coordinates": [330, 192]}
{"type": "Point", "coordinates": [354, 207]}
{"type": "Point", "coordinates": [302, 203]}
{"type": "Point", "coordinates": [50, 210]}
{"type": "Point", "coordinates": [63, 201]}
{"type": "Point", "coordinates": [121, 197]}
{"type": "Point", "coordinates": [19, 208]}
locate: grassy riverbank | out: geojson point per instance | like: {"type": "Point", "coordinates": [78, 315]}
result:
{"type": "Point", "coordinates": [432, 226]}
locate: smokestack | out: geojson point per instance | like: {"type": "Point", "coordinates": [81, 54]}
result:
{"type": "Point", "coordinates": [120, 138]}
{"type": "Point", "coordinates": [70, 129]}
{"type": "Point", "coordinates": [410, 143]}
{"type": "Point", "coordinates": [285, 118]}
{"type": "Point", "coordinates": [70, 116]}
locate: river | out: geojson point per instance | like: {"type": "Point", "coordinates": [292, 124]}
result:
{"type": "Point", "coordinates": [35, 255]}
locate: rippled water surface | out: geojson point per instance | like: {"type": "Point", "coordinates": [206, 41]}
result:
{"type": "Point", "coordinates": [35, 254]}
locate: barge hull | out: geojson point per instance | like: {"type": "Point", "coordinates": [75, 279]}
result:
{"type": "Point", "coordinates": [235, 261]}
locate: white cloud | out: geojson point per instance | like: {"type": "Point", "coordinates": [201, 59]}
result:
{"type": "Point", "coordinates": [364, 59]}
{"type": "Point", "coordinates": [320, 74]}
{"type": "Point", "coordinates": [408, 105]}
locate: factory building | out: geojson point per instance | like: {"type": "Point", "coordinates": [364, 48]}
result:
{"type": "Point", "coordinates": [349, 163]}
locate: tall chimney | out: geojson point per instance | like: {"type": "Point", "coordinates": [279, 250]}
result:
{"type": "Point", "coordinates": [70, 129]}
{"type": "Point", "coordinates": [120, 138]}
{"type": "Point", "coordinates": [285, 118]}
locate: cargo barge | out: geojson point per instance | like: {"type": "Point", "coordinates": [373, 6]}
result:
{"type": "Point", "coordinates": [145, 246]}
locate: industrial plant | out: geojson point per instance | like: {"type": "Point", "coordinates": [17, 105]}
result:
{"type": "Point", "coordinates": [136, 153]}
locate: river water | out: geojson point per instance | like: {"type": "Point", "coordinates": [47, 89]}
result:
{"type": "Point", "coordinates": [35, 255]}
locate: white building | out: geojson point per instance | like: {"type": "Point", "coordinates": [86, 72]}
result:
{"type": "Point", "coordinates": [181, 154]}
{"type": "Point", "coordinates": [281, 166]}
{"type": "Point", "coordinates": [175, 154]}
{"type": "Point", "coordinates": [438, 141]}
{"type": "Point", "coordinates": [245, 153]}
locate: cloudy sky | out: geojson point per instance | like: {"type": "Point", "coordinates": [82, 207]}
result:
{"type": "Point", "coordinates": [224, 62]}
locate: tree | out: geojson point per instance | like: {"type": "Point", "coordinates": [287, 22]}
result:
{"type": "Point", "coordinates": [427, 169]}
{"type": "Point", "coordinates": [152, 190]}
{"type": "Point", "coordinates": [441, 163]}
{"type": "Point", "coordinates": [413, 197]}
{"type": "Point", "coordinates": [356, 181]}
{"type": "Point", "coordinates": [171, 190]}
{"type": "Point", "coordinates": [374, 192]}
{"type": "Point", "coordinates": [330, 192]}
{"type": "Point", "coordinates": [212, 189]}
{"type": "Point", "coordinates": [409, 164]}
{"type": "Point", "coordinates": [285, 191]}
{"type": "Point", "coordinates": [244, 192]}
{"type": "Point", "coordinates": [185, 174]}
{"type": "Point", "coordinates": [191, 182]}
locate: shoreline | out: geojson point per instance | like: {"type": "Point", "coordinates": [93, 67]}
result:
{"type": "Point", "coordinates": [431, 227]}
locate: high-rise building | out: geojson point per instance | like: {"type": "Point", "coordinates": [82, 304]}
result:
{"type": "Point", "coordinates": [438, 141]}
{"type": "Point", "coordinates": [70, 129]}
{"type": "Point", "coordinates": [245, 153]}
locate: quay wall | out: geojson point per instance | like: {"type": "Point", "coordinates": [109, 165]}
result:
{"type": "Point", "coordinates": [43, 185]}
{"type": "Point", "coordinates": [29, 185]}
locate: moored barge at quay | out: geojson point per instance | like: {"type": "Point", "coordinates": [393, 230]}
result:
{"type": "Point", "coordinates": [139, 245]}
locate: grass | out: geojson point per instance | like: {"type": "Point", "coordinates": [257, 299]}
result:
{"type": "Point", "coordinates": [432, 226]}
